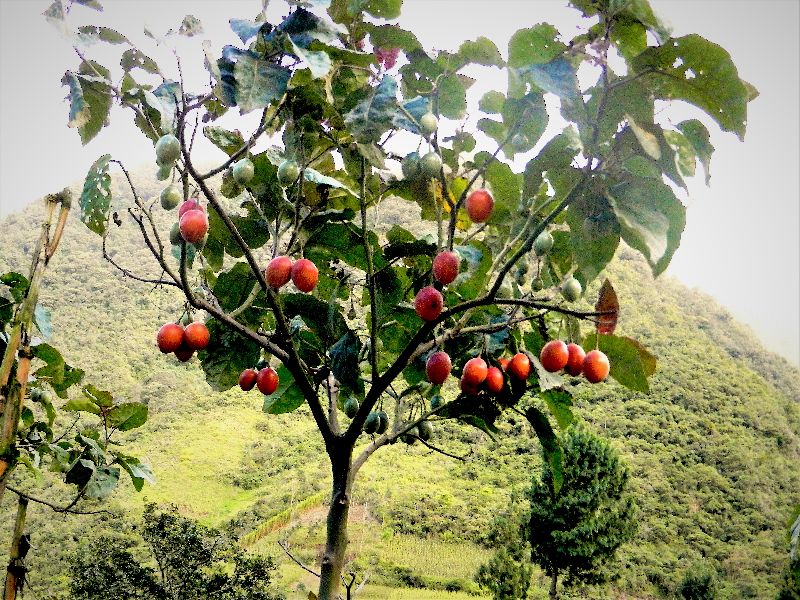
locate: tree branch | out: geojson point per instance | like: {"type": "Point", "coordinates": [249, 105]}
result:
{"type": "Point", "coordinates": [290, 358]}
{"type": "Point", "coordinates": [59, 509]}
{"type": "Point", "coordinates": [262, 127]}
{"type": "Point", "coordinates": [285, 547]}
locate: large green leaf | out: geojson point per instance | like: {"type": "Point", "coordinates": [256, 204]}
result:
{"type": "Point", "coordinates": [99, 397]}
{"type": "Point", "coordinates": [594, 234]}
{"type": "Point", "coordinates": [478, 255]}
{"type": "Point", "coordinates": [136, 59]}
{"type": "Point", "coordinates": [373, 117]}
{"type": "Point", "coordinates": [227, 141]}
{"type": "Point", "coordinates": [18, 285]}
{"type": "Point", "coordinates": [452, 93]}
{"type": "Point", "coordinates": [95, 199]}
{"type": "Point", "coordinates": [82, 404]}
{"type": "Point", "coordinates": [551, 449]}
{"type": "Point", "coordinates": [317, 61]}
{"type": "Point", "coordinates": [651, 219]}
{"type": "Point", "coordinates": [249, 81]}
{"type": "Point", "coordinates": [383, 9]}
{"type": "Point", "coordinates": [392, 36]}
{"type": "Point", "coordinates": [56, 372]}
{"type": "Point", "coordinates": [481, 51]}
{"type": "Point", "coordinates": [128, 415]}
{"type": "Point", "coordinates": [344, 362]}
{"type": "Point", "coordinates": [102, 482]}
{"type": "Point", "coordinates": [700, 72]}
{"type": "Point", "coordinates": [258, 82]}
{"type": "Point", "coordinates": [630, 362]}
{"type": "Point", "coordinates": [558, 77]}
{"type": "Point", "coordinates": [641, 11]}
{"type": "Point", "coordinates": [138, 471]}
{"type": "Point", "coordinates": [315, 314]}
{"type": "Point", "coordinates": [559, 402]}
{"type": "Point", "coordinates": [536, 45]}
{"type": "Point", "coordinates": [234, 286]}
{"type": "Point", "coordinates": [90, 99]}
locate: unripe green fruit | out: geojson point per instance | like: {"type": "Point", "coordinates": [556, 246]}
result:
{"type": "Point", "coordinates": [372, 423]}
{"type": "Point", "coordinates": [543, 243]}
{"type": "Point", "coordinates": [164, 171]}
{"type": "Point", "coordinates": [383, 425]}
{"type": "Point", "coordinates": [571, 289]}
{"type": "Point", "coordinates": [537, 284]}
{"type": "Point", "coordinates": [436, 402]}
{"type": "Point", "coordinates": [351, 407]}
{"type": "Point", "coordinates": [430, 165]}
{"type": "Point", "coordinates": [410, 165]}
{"type": "Point", "coordinates": [168, 150]}
{"type": "Point", "coordinates": [170, 197]}
{"type": "Point", "coordinates": [288, 172]}
{"type": "Point", "coordinates": [175, 235]}
{"type": "Point", "coordinates": [244, 171]}
{"type": "Point", "coordinates": [425, 430]}
{"type": "Point", "coordinates": [428, 123]}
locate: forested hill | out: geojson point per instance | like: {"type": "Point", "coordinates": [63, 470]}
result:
{"type": "Point", "coordinates": [714, 447]}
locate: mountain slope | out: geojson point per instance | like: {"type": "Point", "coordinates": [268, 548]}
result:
{"type": "Point", "coordinates": [713, 448]}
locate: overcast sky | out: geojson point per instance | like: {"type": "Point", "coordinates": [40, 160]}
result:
{"type": "Point", "coordinates": [742, 241]}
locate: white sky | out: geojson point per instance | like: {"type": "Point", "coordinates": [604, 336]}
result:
{"type": "Point", "coordinates": [742, 241]}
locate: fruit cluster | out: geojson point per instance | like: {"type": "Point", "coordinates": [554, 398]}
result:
{"type": "Point", "coordinates": [477, 374]}
{"type": "Point", "coordinates": [303, 273]}
{"type": "Point", "coordinates": [265, 379]}
{"type": "Point", "coordinates": [557, 355]}
{"type": "Point", "coordinates": [173, 337]}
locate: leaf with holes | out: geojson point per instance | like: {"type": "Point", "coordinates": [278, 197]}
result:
{"type": "Point", "coordinates": [95, 199]}
{"type": "Point", "coordinates": [700, 72]}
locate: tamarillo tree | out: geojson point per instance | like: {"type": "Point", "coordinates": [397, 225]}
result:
{"type": "Point", "coordinates": [508, 255]}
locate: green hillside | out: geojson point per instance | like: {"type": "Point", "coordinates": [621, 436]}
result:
{"type": "Point", "coordinates": [714, 447]}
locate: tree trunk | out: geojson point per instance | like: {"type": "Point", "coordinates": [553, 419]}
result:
{"type": "Point", "coordinates": [336, 539]}
{"type": "Point", "coordinates": [554, 585]}
{"type": "Point", "coordinates": [15, 572]}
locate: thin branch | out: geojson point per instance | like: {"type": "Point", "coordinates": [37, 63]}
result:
{"type": "Point", "coordinates": [288, 355]}
{"type": "Point", "coordinates": [443, 452]}
{"type": "Point", "coordinates": [285, 547]}
{"type": "Point", "coordinates": [59, 509]}
{"type": "Point", "coordinates": [262, 127]}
